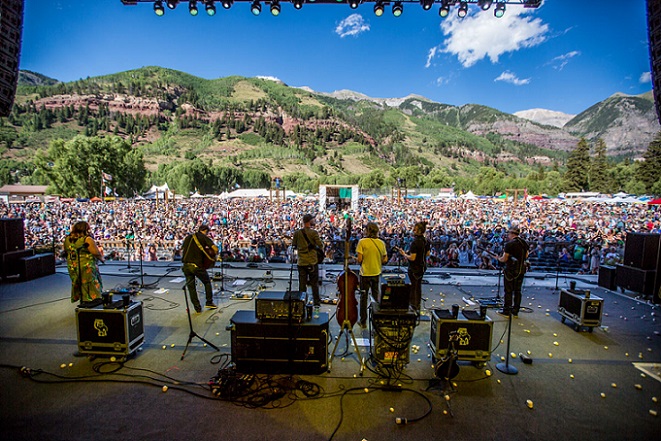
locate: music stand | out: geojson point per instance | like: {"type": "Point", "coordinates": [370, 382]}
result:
{"type": "Point", "coordinates": [192, 333]}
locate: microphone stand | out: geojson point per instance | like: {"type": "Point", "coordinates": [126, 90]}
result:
{"type": "Point", "coordinates": [505, 368]}
{"type": "Point", "coordinates": [192, 333]}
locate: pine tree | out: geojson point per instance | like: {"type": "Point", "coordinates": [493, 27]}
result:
{"type": "Point", "coordinates": [578, 167]}
{"type": "Point", "coordinates": [599, 169]}
{"type": "Point", "coordinates": [649, 170]}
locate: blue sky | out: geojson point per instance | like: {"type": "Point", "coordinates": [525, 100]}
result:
{"type": "Point", "coordinates": [565, 56]}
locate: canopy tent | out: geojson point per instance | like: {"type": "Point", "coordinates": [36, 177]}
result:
{"type": "Point", "coordinates": [469, 196]}
{"type": "Point", "coordinates": [656, 201]}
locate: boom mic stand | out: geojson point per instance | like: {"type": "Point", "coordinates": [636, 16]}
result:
{"type": "Point", "coordinates": [192, 333]}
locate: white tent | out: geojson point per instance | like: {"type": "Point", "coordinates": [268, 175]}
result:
{"type": "Point", "coordinates": [469, 196]}
{"type": "Point", "coordinates": [156, 192]}
{"type": "Point", "coordinates": [255, 193]}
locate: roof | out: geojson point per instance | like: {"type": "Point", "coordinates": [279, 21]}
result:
{"type": "Point", "coordinates": [23, 189]}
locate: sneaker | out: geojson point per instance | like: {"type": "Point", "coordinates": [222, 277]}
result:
{"type": "Point", "coordinates": [198, 311]}
{"type": "Point", "coordinates": [503, 313]}
{"type": "Point", "coordinates": [210, 306]}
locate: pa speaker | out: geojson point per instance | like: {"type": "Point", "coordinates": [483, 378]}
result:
{"type": "Point", "coordinates": [11, 24]}
{"type": "Point", "coordinates": [607, 277]}
{"type": "Point", "coordinates": [12, 236]}
{"type": "Point", "coordinates": [641, 250]}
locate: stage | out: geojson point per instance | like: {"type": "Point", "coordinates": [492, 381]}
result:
{"type": "Point", "coordinates": [580, 385]}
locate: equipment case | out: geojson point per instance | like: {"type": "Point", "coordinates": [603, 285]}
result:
{"type": "Point", "coordinates": [474, 342]}
{"type": "Point", "coordinates": [110, 330]}
{"type": "Point", "coordinates": [582, 310]}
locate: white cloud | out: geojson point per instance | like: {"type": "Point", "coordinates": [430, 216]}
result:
{"type": "Point", "coordinates": [269, 78]}
{"type": "Point", "coordinates": [509, 77]}
{"type": "Point", "coordinates": [352, 25]}
{"type": "Point", "coordinates": [482, 35]}
{"type": "Point", "coordinates": [561, 61]}
{"type": "Point", "coordinates": [440, 81]}
{"type": "Point", "coordinates": [431, 55]}
{"type": "Point", "coordinates": [645, 77]}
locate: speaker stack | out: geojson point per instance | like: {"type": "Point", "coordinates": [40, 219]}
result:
{"type": "Point", "coordinates": [15, 259]}
{"type": "Point", "coordinates": [641, 268]}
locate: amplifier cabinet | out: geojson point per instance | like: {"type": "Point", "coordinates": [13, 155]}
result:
{"type": "Point", "coordinates": [279, 305]}
{"type": "Point", "coordinates": [635, 279]}
{"type": "Point", "coordinates": [474, 337]}
{"type": "Point", "coordinates": [110, 331]}
{"type": "Point", "coordinates": [395, 292]}
{"type": "Point", "coordinates": [278, 347]}
{"type": "Point", "coordinates": [393, 332]}
{"type": "Point", "coordinates": [581, 309]}
{"type": "Point", "coordinates": [11, 263]}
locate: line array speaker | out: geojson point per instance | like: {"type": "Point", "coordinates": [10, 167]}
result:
{"type": "Point", "coordinates": [11, 28]}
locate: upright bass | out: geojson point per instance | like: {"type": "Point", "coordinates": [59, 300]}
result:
{"type": "Point", "coordinates": [347, 282]}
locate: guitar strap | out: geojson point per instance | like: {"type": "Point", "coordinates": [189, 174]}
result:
{"type": "Point", "coordinates": [377, 247]}
{"type": "Point", "coordinates": [199, 245]}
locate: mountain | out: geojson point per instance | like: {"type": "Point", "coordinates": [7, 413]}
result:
{"type": "Point", "coordinates": [545, 117]}
{"type": "Point", "coordinates": [28, 78]}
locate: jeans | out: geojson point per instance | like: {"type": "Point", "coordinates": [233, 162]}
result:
{"type": "Point", "coordinates": [191, 271]}
{"type": "Point", "coordinates": [371, 284]}
{"type": "Point", "coordinates": [309, 276]}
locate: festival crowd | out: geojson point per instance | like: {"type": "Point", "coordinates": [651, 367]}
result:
{"type": "Point", "coordinates": [578, 235]}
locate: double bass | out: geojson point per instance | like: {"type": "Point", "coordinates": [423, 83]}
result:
{"type": "Point", "coordinates": [347, 282]}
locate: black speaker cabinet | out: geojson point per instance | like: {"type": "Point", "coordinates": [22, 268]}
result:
{"type": "Point", "coordinates": [12, 237]}
{"type": "Point", "coordinates": [12, 264]}
{"type": "Point", "coordinates": [110, 330]}
{"type": "Point", "coordinates": [474, 337]}
{"type": "Point", "coordinates": [36, 266]}
{"type": "Point", "coordinates": [641, 250]}
{"type": "Point", "coordinates": [393, 332]}
{"type": "Point", "coordinates": [278, 347]}
{"type": "Point", "coordinates": [607, 277]}
{"type": "Point", "coordinates": [635, 279]}
{"type": "Point", "coordinates": [11, 23]}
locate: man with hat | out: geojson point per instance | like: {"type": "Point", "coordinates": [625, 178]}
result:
{"type": "Point", "coordinates": [307, 242]}
{"type": "Point", "coordinates": [514, 257]}
{"type": "Point", "coordinates": [199, 251]}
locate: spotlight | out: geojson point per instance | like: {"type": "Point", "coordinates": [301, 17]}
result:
{"type": "Point", "coordinates": [463, 9]}
{"type": "Point", "coordinates": [353, 4]}
{"type": "Point", "coordinates": [397, 9]}
{"type": "Point", "coordinates": [427, 4]}
{"type": "Point", "coordinates": [256, 7]}
{"type": "Point", "coordinates": [298, 4]}
{"type": "Point", "coordinates": [172, 4]}
{"type": "Point", "coordinates": [500, 10]}
{"type": "Point", "coordinates": [210, 8]}
{"type": "Point", "coordinates": [484, 4]}
{"type": "Point", "coordinates": [227, 3]}
{"type": "Point", "coordinates": [275, 8]}
{"type": "Point", "coordinates": [445, 9]}
{"type": "Point", "coordinates": [158, 8]}
{"type": "Point", "coordinates": [192, 8]}
{"type": "Point", "coordinates": [378, 9]}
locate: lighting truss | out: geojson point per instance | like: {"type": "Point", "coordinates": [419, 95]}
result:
{"type": "Point", "coordinates": [460, 7]}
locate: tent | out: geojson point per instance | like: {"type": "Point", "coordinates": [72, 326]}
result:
{"type": "Point", "coordinates": [469, 196]}
{"type": "Point", "coordinates": [656, 201]}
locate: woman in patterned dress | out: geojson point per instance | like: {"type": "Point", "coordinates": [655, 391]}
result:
{"type": "Point", "coordinates": [82, 254]}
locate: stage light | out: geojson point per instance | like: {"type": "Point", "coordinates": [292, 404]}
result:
{"type": "Point", "coordinates": [210, 8]}
{"type": "Point", "coordinates": [227, 3]}
{"type": "Point", "coordinates": [353, 4]}
{"type": "Point", "coordinates": [158, 8]}
{"type": "Point", "coordinates": [192, 8]}
{"type": "Point", "coordinates": [427, 4]}
{"type": "Point", "coordinates": [256, 8]}
{"type": "Point", "coordinates": [298, 4]}
{"type": "Point", "coordinates": [378, 9]}
{"type": "Point", "coordinates": [275, 8]}
{"type": "Point", "coordinates": [500, 10]}
{"type": "Point", "coordinates": [484, 4]}
{"type": "Point", "coordinates": [463, 9]}
{"type": "Point", "coordinates": [397, 9]}
{"type": "Point", "coordinates": [172, 4]}
{"type": "Point", "coordinates": [445, 9]}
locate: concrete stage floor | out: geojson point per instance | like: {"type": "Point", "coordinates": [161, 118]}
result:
{"type": "Point", "coordinates": [608, 391]}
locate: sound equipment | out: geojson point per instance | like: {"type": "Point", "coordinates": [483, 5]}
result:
{"type": "Point", "coordinates": [635, 279]}
{"type": "Point", "coordinates": [654, 30]}
{"type": "Point", "coordinates": [395, 292]}
{"type": "Point", "coordinates": [278, 305]}
{"type": "Point", "coordinates": [116, 330]}
{"type": "Point", "coordinates": [641, 250]}
{"type": "Point", "coordinates": [11, 262]}
{"type": "Point", "coordinates": [12, 236]}
{"type": "Point", "coordinates": [581, 307]}
{"type": "Point", "coordinates": [607, 277]}
{"type": "Point", "coordinates": [11, 24]}
{"type": "Point", "coordinates": [393, 332]}
{"type": "Point", "coordinates": [474, 336]}
{"type": "Point", "coordinates": [39, 265]}
{"type": "Point", "coordinates": [277, 347]}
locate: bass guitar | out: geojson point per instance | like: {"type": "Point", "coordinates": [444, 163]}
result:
{"type": "Point", "coordinates": [347, 282]}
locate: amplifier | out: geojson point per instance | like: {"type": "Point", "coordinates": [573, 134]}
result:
{"type": "Point", "coordinates": [395, 292]}
{"type": "Point", "coordinates": [393, 332]}
{"type": "Point", "coordinates": [280, 305]}
{"type": "Point", "coordinates": [110, 331]}
{"type": "Point", "coordinates": [580, 307]}
{"type": "Point", "coordinates": [474, 341]}
{"type": "Point", "coordinates": [278, 347]}
{"type": "Point", "coordinates": [400, 279]}
{"type": "Point", "coordinates": [11, 263]}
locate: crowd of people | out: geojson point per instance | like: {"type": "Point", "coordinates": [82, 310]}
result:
{"type": "Point", "coordinates": [462, 233]}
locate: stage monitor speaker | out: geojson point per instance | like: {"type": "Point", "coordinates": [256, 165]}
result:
{"type": "Point", "coordinates": [36, 266]}
{"type": "Point", "coordinates": [635, 279]}
{"type": "Point", "coordinates": [641, 250]}
{"type": "Point", "coordinates": [12, 236]}
{"type": "Point", "coordinates": [11, 28]}
{"type": "Point", "coordinates": [607, 277]}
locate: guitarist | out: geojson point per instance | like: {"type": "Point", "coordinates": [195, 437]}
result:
{"type": "Point", "coordinates": [417, 258]}
{"type": "Point", "coordinates": [515, 258]}
{"type": "Point", "coordinates": [307, 242]}
{"type": "Point", "coordinates": [199, 254]}
{"type": "Point", "coordinates": [371, 254]}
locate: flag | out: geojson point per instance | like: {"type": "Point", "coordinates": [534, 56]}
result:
{"type": "Point", "coordinates": [108, 190]}
{"type": "Point", "coordinates": [106, 176]}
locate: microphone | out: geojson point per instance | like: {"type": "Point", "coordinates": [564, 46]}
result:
{"type": "Point", "coordinates": [84, 245]}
